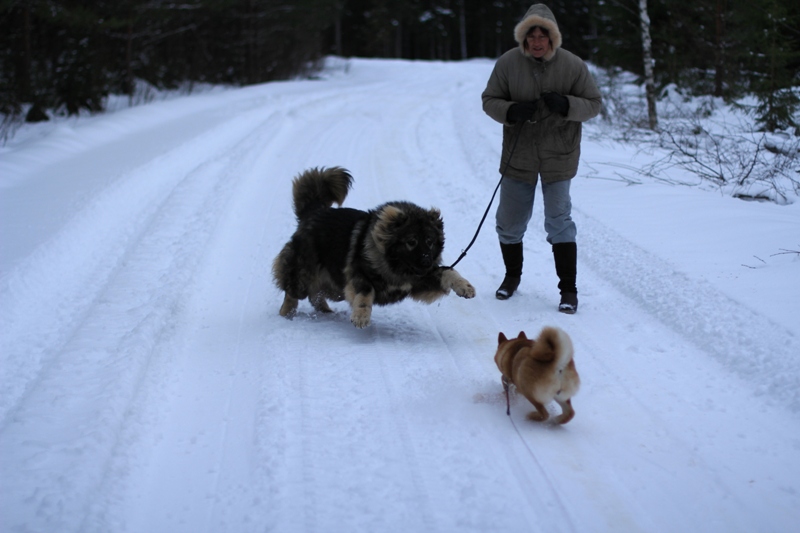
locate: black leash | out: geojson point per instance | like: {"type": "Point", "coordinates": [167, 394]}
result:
{"type": "Point", "coordinates": [502, 175]}
{"type": "Point", "coordinates": [508, 400]}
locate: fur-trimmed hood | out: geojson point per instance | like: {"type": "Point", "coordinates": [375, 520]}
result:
{"type": "Point", "coordinates": [538, 15]}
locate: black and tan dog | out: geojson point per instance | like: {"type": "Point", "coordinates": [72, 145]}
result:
{"type": "Point", "coordinates": [542, 370]}
{"type": "Point", "coordinates": [368, 258]}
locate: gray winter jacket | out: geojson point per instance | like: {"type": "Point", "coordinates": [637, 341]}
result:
{"type": "Point", "coordinates": [550, 144]}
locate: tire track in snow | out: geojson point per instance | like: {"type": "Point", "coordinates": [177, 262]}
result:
{"type": "Point", "coordinates": [133, 309]}
{"type": "Point", "coordinates": [305, 461]}
{"type": "Point", "coordinates": [699, 315]}
{"type": "Point", "coordinates": [418, 479]}
{"type": "Point", "coordinates": [99, 235]}
{"type": "Point", "coordinates": [44, 306]}
{"type": "Point", "coordinates": [653, 440]}
{"type": "Point", "coordinates": [535, 308]}
{"type": "Point", "coordinates": [226, 393]}
{"type": "Point", "coordinates": [332, 476]}
{"type": "Point", "coordinates": [758, 350]}
{"type": "Point", "coordinates": [620, 373]}
{"type": "Point", "coordinates": [406, 145]}
{"type": "Point", "coordinates": [331, 454]}
{"type": "Point", "coordinates": [542, 499]}
{"type": "Point", "coordinates": [231, 405]}
{"type": "Point", "coordinates": [450, 172]}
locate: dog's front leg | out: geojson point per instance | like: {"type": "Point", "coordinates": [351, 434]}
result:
{"type": "Point", "coordinates": [360, 304]}
{"type": "Point", "coordinates": [451, 279]}
{"type": "Point", "coordinates": [362, 310]}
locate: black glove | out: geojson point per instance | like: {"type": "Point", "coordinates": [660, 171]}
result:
{"type": "Point", "coordinates": [556, 103]}
{"type": "Point", "coordinates": [521, 112]}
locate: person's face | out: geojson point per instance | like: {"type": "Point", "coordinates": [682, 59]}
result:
{"type": "Point", "coordinates": [538, 43]}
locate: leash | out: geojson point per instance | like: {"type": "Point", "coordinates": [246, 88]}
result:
{"type": "Point", "coordinates": [485, 213]}
{"type": "Point", "coordinates": [544, 474]}
{"type": "Point", "coordinates": [502, 175]}
{"type": "Point", "coordinates": [508, 400]}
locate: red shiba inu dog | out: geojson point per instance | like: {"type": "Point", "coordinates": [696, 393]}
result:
{"type": "Point", "coordinates": [542, 370]}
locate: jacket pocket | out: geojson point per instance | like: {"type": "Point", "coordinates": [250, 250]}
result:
{"type": "Point", "coordinates": [563, 137]}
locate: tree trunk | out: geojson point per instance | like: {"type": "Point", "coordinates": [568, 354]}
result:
{"type": "Point", "coordinates": [27, 60]}
{"type": "Point", "coordinates": [719, 59]}
{"type": "Point", "coordinates": [647, 56]}
{"type": "Point", "coordinates": [129, 63]}
{"type": "Point", "coordinates": [462, 27]}
{"type": "Point", "coordinates": [337, 29]}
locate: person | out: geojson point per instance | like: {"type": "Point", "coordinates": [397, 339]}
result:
{"type": "Point", "coordinates": [541, 94]}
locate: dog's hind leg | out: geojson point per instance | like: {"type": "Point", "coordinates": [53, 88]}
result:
{"type": "Point", "coordinates": [540, 414]}
{"type": "Point", "coordinates": [567, 412]}
{"type": "Point", "coordinates": [289, 307]}
{"type": "Point", "coordinates": [320, 303]}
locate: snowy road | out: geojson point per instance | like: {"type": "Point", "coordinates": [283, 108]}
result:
{"type": "Point", "coordinates": [148, 383]}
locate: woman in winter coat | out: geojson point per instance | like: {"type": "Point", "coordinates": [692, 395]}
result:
{"type": "Point", "coordinates": [541, 94]}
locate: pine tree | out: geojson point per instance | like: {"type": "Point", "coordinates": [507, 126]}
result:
{"type": "Point", "coordinates": [772, 80]}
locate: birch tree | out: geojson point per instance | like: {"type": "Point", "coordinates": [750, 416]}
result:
{"type": "Point", "coordinates": [647, 56]}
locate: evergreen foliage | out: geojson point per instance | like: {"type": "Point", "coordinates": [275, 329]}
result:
{"type": "Point", "coordinates": [67, 55]}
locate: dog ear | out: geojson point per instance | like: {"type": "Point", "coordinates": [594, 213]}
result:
{"type": "Point", "coordinates": [388, 216]}
{"type": "Point", "coordinates": [522, 335]}
{"type": "Point", "coordinates": [501, 338]}
{"type": "Point", "coordinates": [436, 217]}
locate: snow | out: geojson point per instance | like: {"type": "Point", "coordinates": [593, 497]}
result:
{"type": "Point", "coordinates": [147, 382]}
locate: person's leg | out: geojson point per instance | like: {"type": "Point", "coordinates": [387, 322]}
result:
{"type": "Point", "coordinates": [558, 221]}
{"type": "Point", "coordinates": [561, 233]}
{"type": "Point", "coordinates": [512, 217]}
{"type": "Point", "coordinates": [514, 210]}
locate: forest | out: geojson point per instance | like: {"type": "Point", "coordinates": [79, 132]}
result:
{"type": "Point", "coordinates": [67, 56]}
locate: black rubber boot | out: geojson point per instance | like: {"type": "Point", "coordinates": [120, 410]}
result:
{"type": "Point", "coordinates": [566, 259]}
{"type": "Point", "coordinates": [512, 257]}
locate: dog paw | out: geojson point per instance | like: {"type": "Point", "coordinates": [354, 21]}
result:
{"type": "Point", "coordinates": [464, 289]}
{"type": "Point", "coordinates": [453, 280]}
{"type": "Point", "coordinates": [536, 416]}
{"type": "Point", "coordinates": [563, 419]}
{"type": "Point", "coordinates": [321, 305]}
{"type": "Point", "coordinates": [361, 317]}
{"type": "Point", "coordinates": [289, 307]}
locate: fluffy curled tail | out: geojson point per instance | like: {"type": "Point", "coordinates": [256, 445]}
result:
{"type": "Point", "coordinates": [319, 188]}
{"type": "Point", "coordinates": [553, 344]}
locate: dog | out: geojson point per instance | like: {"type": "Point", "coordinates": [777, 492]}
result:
{"type": "Point", "coordinates": [542, 370]}
{"type": "Point", "coordinates": [368, 258]}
